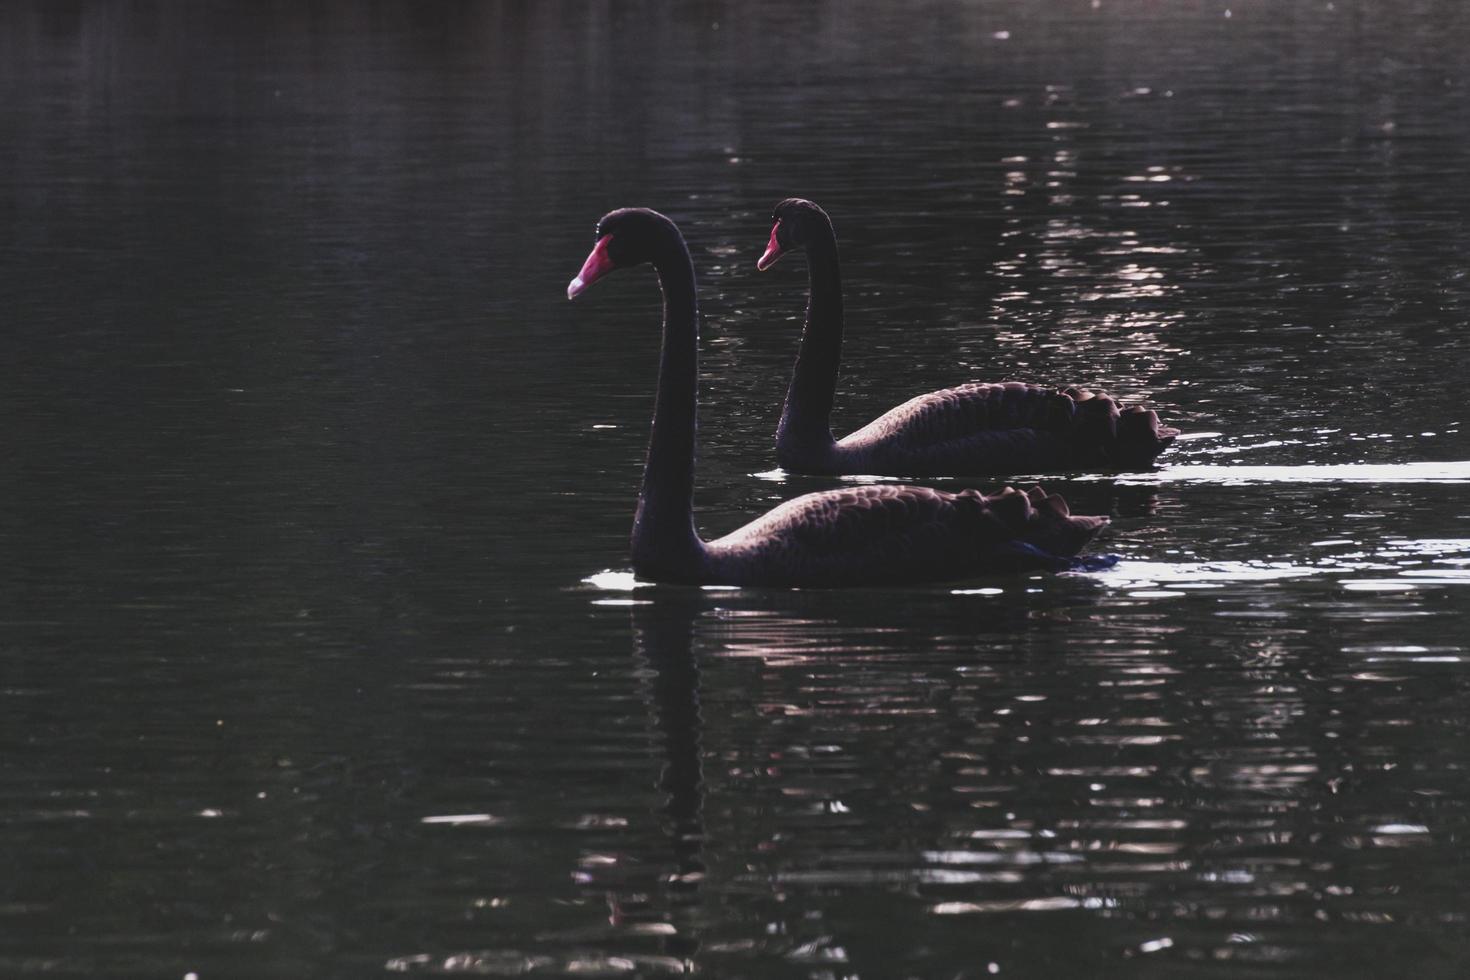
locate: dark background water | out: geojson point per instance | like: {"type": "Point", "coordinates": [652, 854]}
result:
{"type": "Point", "coordinates": [317, 651]}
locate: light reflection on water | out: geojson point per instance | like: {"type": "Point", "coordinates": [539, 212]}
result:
{"type": "Point", "coordinates": [310, 469]}
{"type": "Point", "coordinates": [996, 825]}
{"type": "Point", "coordinates": [1416, 564]}
{"type": "Point", "coordinates": [1240, 475]}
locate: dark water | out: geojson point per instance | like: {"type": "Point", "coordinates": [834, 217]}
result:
{"type": "Point", "coordinates": [319, 656]}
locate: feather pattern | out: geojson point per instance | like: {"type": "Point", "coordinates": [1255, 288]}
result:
{"type": "Point", "coordinates": [971, 430]}
{"type": "Point", "coordinates": [990, 428]}
{"type": "Point", "coordinates": [869, 535]}
{"type": "Point", "coordinates": [885, 534]}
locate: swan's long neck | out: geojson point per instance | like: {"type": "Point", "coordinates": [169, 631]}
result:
{"type": "Point", "coordinates": [664, 538]}
{"type": "Point", "coordinates": [806, 419]}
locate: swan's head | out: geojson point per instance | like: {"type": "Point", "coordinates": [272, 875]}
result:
{"type": "Point", "coordinates": [626, 237]}
{"type": "Point", "coordinates": [797, 223]}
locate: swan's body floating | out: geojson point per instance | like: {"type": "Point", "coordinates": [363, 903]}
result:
{"type": "Point", "coordinates": [862, 536]}
{"type": "Point", "coordinates": [970, 430]}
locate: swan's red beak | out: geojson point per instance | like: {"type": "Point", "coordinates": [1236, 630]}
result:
{"type": "Point", "coordinates": [598, 264]}
{"type": "Point", "coordinates": [773, 250]}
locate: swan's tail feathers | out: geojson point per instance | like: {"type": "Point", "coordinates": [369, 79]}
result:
{"type": "Point", "coordinates": [1013, 508]}
{"type": "Point", "coordinates": [1050, 502]}
{"type": "Point", "coordinates": [1062, 531]}
{"type": "Point", "coordinates": [1042, 521]}
{"type": "Point", "coordinates": [1060, 411]}
{"type": "Point", "coordinates": [1128, 438]}
{"type": "Point", "coordinates": [1096, 421]}
{"type": "Point", "coordinates": [1141, 438]}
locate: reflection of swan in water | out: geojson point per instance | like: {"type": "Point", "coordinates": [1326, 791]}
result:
{"type": "Point", "coordinates": [663, 641]}
{"type": "Point", "coordinates": [664, 636]}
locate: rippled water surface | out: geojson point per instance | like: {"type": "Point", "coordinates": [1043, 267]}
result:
{"type": "Point", "coordinates": [319, 650]}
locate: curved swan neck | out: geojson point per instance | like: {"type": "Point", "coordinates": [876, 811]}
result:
{"type": "Point", "coordinates": [806, 419]}
{"type": "Point", "coordinates": [664, 539]}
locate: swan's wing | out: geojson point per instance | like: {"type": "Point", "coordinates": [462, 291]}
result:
{"type": "Point", "coordinates": [954, 413]}
{"type": "Point", "coordinates": [886, 533]}
{"type": "Point", "coordinates": [1010, 427]}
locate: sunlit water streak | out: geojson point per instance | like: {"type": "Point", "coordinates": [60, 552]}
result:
{"type": "Point", "coordinates": [1244, 475]}
{"type": "Point", "coordinates": [1228, 475]}
{"type": "Point", "coordinates": [1427, 560]}
{"type": "Point", "coordinates": [309, 465]}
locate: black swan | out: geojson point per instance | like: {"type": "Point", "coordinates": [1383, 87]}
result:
{"type": "Point", "coordinates": [974, 429]}
{"type": "Point", "coordinates": [867, 535]}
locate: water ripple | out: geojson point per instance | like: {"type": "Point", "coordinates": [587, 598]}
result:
{"type": "Point", "coordinates": [1374, 473]}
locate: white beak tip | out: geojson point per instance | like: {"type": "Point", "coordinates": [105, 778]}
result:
{"type": "Point", "coordinates": [575, 287]}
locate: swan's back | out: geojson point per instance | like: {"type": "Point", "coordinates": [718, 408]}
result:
{"type": "Point", "coordinates": [866, 535]}
{"type": "Point", "coordinates": [971, 430]}
{"type": "Point", "coordinates": [874, 535]}
{"type": "Point", "coordinates": [1009, 427]}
